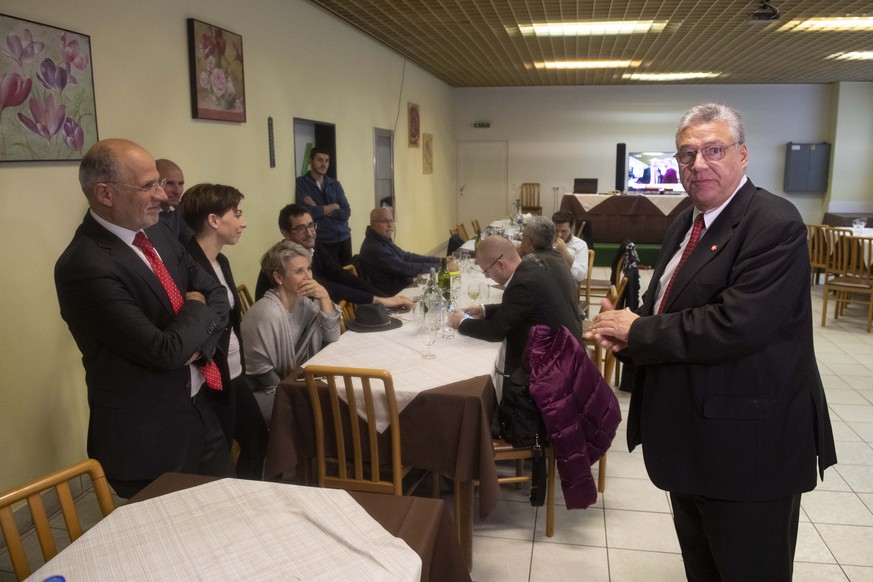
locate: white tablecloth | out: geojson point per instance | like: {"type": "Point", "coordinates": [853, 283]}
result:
{"type": "Point", "coordinates": [666, 203]}
{"type": "Point", "coordinates": [238, 530]}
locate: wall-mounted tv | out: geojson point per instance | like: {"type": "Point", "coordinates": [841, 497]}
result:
{"type": "Point", "coordinates": [653, 172]}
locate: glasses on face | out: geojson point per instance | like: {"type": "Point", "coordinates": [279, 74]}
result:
{"type": "Point", "coordinates": [300, 229]}
{"type": "Point", "coordinates": [387, 221]}
{"type": "Point", "coordinates": [486, 269]}
{"type": "Point", "coordinates": [710, 154]}
{"type": "Point", "coordinates": [151, 187]}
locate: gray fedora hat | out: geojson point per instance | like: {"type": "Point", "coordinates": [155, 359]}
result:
{"type": "Point", "coordinates": [372, 317]}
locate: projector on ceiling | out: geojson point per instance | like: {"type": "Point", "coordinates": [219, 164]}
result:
{"type": "Point", "coordinates": [765, 13]}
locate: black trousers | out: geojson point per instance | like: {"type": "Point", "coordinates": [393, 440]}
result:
{"type": "Point", "coordinates": [341, 250]}
{"type": "Point", "coordinates": [738, 541]}
{"type": "Point", "coordinates": [241, 420]}
{"type": "Point", "coordinates": [207, 452]}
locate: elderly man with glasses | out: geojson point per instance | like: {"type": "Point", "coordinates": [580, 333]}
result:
{"type": "Point", "coordinates": [147, 319]}
{"type": "Point", "coordinates": [727, 399]}
{"type": "Point", "coordinates": [296, 224]}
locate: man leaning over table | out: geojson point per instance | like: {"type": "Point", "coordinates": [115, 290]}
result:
{"type": "Point", "coordinates": [531, 298]}
{"type": "Point", "coordinates": [386, 265]}
{"type": "Point", "coordinates": [296, 224]}
{"type": "Point", "coordinates": [572, 248]}
{"type": "Point", "coordinates": [727, 398]}
{"type": "Point", "coordinates": [147, 319]}
{"type": "Point", "coordinates": [326, 201]}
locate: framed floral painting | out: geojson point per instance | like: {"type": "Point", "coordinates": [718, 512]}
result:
{"type": "Point", "coordinates": [215, 58]}
{"type": "Point", "coordinates": [47, 109]}
{"type": "Point", "coordinates": [427, 153]}
{"type": "Point", "coordinates": [414, 117]}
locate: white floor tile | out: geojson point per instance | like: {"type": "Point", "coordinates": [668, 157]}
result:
{"type": "Point", "coordinates": [845, 396]}
{"type": "Point", "coordinates": [863, 429]}
{"type": "Point", "coordinates": [853, 412]}
{"type": "Point", "coordinates": [836, 507]}
{"type": "Point", "coordinates": [854, 453]}
{"type": "Point", "coordinates": [818, 573]}
{"type": "Point", "coordinates": [850, 544]}
{"type": "Point", "coordinates": [858, 573]}
{"type": "Point", "coordinates": [560, 563]}
{"type": "Point", "coordinates": [844, 432]}
{"type": "Point", "coordinates": [640, 566]}
{"type": "Point", "coordinates": [510, 519]}
{"type": "Point", "coordinates": [639, 530]}
{"type": "Point", "coordinates": [858, 477]}
{"type": "Point", "coordinates": [810, 546]}
{"type": "Point", "coordinates": [500, 560]}
{"type": "Point", "coordinates": [635, 494]}
{"type": "Point", "coordinates": [584, 527]}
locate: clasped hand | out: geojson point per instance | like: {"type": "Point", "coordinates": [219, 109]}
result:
{"type": "Point", "coordinates": [611, 326]}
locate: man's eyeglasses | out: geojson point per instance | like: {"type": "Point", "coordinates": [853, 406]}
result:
{"type": "Point", "coordinates": [387, 221]}
{"type": "Point", "coordinates": [300, 229]}
{"type": "Point", "coordinates": [486, 269]}
{"type": "Point", "coordinates": [710, 154]}
{"type": "Point", "coordinates": [151, 187]}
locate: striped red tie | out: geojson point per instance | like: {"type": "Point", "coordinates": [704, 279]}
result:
{"type": "Point", "coordinates": [210, 371]}
{"type": "Point", "coordinates": [692, 242]}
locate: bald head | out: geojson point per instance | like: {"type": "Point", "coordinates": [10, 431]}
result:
{"type": "Point", "coordinates": [104, 163]}
{"type": "Point", "coordinates": [497, 258]}
{"type": "Point", "coordinates": [382, 221]}
{"type": "Point", "coordinates": [175, 185]}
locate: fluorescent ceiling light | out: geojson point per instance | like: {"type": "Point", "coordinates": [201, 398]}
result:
{"type": "Point", "coordinates": [830, 24]}
{"type": "Point", "coordinates": [853, 56]}
{"type": "Point", "coordinates": [606, 27]}
{"type": "Point", "coordinates": [586, 64]}
{"type": "Point", "coordinates": [669, 76]}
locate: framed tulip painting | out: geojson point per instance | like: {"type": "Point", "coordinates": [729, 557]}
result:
{"type": "Point", "coordinates": [215, 59]}
{"type": "Point", "coordinates": [47, 109]}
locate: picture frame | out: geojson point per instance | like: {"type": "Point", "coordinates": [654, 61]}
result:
{"type": "Point", "coordinates": [215, 62]}
{"type": "Point", "coordinates": [414, 119]}
{"type": "Point", "coordinates": [427, 153]}
{"type": "Point", "coordinates": [47, 107]}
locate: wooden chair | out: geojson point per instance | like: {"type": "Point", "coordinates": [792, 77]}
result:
{"type": "Point", "coordinates": [585, 288]}
{"type": "Point", "coordinates": [600, 287]}
{"type": "Point", "coordinates": [462, 232]}
{"type": "Point", "coordinates": [611, 365]}
{"type": "Point", "coordinates": [530, 198]}
{"type": "Point", "coordinates": [32, 492]}
{"type": "Point", "coordinates": [245, 298]}
{"type": "Point", "coordinates": [503, 451]}
{"type": "Point", "coordinates": [818, 250]}
{"type": "Point", "coordinates": [364, 460]}
{"type": "Point", "coordinates": [351, 269]}
{"type": "Point", "coordinates": [476, 228]}
{"type": "Point", "coordinates": [580, 228]}
{"type": "Point", "coordinates": [853, 277]}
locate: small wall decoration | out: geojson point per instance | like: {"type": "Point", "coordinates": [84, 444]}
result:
{"type": "Point", "coordinates": [47, 109]}
{"type": "Point", "coordinates": [427, 153]}
{"type": "Point", "coordinates": [215, 58]}
{"type": "Point", "coordinates": [414, 125]}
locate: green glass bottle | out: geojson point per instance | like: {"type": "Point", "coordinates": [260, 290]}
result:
{"type": "Point", "coordinates": [444, 280]}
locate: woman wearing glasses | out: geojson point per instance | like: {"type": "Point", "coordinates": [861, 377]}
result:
{"type": "Point", "coordinates": [213, 213]}
{"type": "Point", "coordinates": [289, 324]}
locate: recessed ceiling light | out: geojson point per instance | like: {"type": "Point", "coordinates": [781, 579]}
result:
{"type": "Point", "coordinates": [606, 27]}
{"type": "Point", "coordinates": [830, 24]}
{"type": "Point", "coordinates": [586, 64]}
{"type": "Point", "coordinates": [669, 76]}
{"type": "Point", "coordinates": [853, 56]}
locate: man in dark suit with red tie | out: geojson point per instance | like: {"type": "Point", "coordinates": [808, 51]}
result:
{"type": "Point", "coordinates": [728, 403]}
{"type": "Point", "coordinates": [147, 320]}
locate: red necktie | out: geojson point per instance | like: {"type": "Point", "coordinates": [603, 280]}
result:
{"type": "Point", "coordinates": [692, 242]}
{"type": "Point", "coordinates": [210, 371]}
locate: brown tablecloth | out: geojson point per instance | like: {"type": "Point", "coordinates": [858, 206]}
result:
{"type": "Point", "coordinates": [619, 218]}
{"type": "Point", "coordinates": [846, 218]}
{"type": "Point", "coordinates": [424, 524]}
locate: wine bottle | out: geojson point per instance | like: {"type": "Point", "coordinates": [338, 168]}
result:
{"type": "Point", "coordinates": [444, 281]}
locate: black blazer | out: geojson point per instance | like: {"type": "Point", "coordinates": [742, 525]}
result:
{"type": "Point", "coordinates": [233, 324]}
{"type": "Point", "coordinates": [532, 297]}
{"type": "Point", "coordinates": [134, 348]}
{"type": "Point", "coordinates": [728, 401]}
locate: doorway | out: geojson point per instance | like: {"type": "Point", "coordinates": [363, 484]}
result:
{"type": "Point", "coordinates": [308, 134]}
{"type": "Point", "coordinates": [383, 168]}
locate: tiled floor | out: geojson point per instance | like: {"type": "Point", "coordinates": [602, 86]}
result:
{"type": "Point", "coordinates": [628, 534]}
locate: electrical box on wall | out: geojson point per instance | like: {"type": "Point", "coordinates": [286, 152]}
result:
{"type": "Point", "coordinates": [806, 167]}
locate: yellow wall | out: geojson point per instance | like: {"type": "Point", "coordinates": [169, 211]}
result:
{"type": "Point", "coordinates": [300, 62]}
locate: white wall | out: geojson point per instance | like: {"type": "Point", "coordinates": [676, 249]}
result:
{"type": "Point", "coordinates": [300, 62]}
{"type": "Point", "coordinates": [556, 134]}
{"type": "Point", "coordinates": [852, 175]}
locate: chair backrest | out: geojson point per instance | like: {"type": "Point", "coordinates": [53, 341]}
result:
{"type": "Point", "coordinates": [854, 256]}
{"type": "Point", "coordinates": [580, 228]}
{"type": "Point", "coordinates": [462, 232]}
{"type": "Point", "coordinates": [476, 228]}
{"type": "Point", "coordinates": [585, 286]}
{"type": "Point", "coordinates": [356, 263]}
{"type": "Point", "coordinates": [349, 430]}
{"type": "Point", "coordinates": [818, 249]}
{"type": "Point", "coordinates": [245, 298]}
{"type": "Point", "coordinates": [530, 194]}
{"type": "Point", "coordinates": [351, 269]}
{"type": "Point", "coordinates": [832, 239]}
{"type": "Point", "coordinates": [32, 492]}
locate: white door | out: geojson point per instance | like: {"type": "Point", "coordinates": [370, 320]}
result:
{"type": "Point", "coordinates": [482, 175]}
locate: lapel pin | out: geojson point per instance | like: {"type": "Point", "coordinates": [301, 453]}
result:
{"type": "Point", "coordinates": [713, 248]}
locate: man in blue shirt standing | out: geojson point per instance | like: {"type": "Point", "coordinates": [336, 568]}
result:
{"type": "Point", "coordinates": [325, 200]}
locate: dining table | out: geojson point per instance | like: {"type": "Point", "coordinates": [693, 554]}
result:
{"type": "Point", "coordinates": [445, 406]}
{"type": "Point", "coordinates": [193, 527]}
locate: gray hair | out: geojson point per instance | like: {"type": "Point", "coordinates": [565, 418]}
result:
{"type": "Point", "coordinates": [708, 112]}
{"type": "Point", "coordinates": [276, 259]}
{"type": "Point", "coordinates": [100, 164]}
{"type": "Point", "coordinates": [541, 231]}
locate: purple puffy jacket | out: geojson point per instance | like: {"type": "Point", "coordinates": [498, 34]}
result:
{"type": "Point", "coordinates": [579, 409]}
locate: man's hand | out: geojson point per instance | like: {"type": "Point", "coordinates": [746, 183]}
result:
{"type": "Point", "coordinates": [562, 248]}
{"type": "Point", "coordinates": [396, 302]}
{"type": "Point", "coordinates": [611, 327]}
{"type": "Point", "coordinates": [331, 208]}
{"type": "Point", "coordinates": [195, 296]}
{"type": "Point", "coordinates": [475, 311]}
{"type": "Point", "coordinates": [308, 201]}
{"type": "Point", "coordinates": [455, 318]}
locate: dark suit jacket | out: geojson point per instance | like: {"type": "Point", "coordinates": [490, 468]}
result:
{"type": "Point", "coordinates": [728, 402]}
{"type": "Point", "coordinates": [339, 283]}
{"type": "Point", "coordinates": [174, 221]}
{"type": "Point", "coordinates": [233, 324]}
{"type": "Point", "coordinates": [554, 263]}
{"type": "Point", "coordinates": [531, 298]}
{"type": "Point", "coordinates": [134, 347]}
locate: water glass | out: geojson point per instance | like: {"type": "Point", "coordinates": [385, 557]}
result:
{"type": "Point", "coordinates": [858, 224]}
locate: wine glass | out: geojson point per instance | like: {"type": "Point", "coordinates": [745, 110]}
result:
{"type": "Point", "coordinates": [421, 281]}
{"type": "Point", "coordinates": [473, 290]}
{"type": "Point", "coordinates": [858, 224]}
{"type": "Point", "coordinates": [428, 335]}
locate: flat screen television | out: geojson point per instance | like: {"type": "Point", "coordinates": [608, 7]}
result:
{"type": "Point", "coordinates": [653, 173]}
